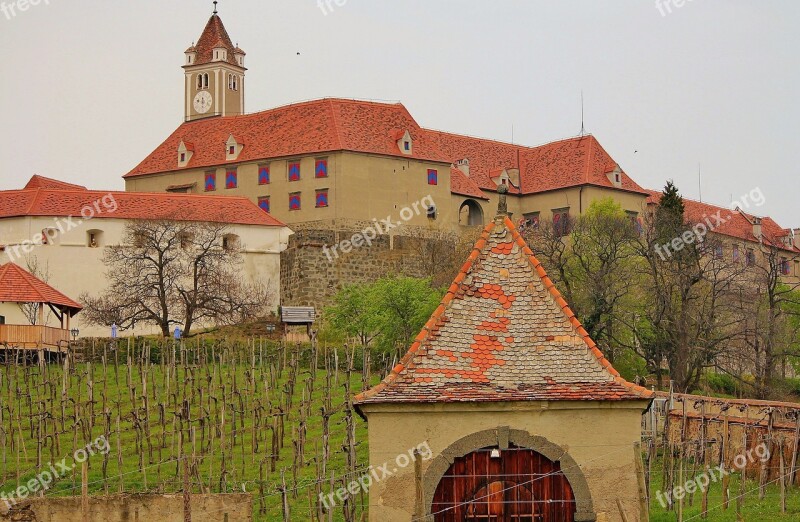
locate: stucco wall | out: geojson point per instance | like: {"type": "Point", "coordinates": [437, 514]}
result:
{"type": "Point", "coordinates": [600, 437]}
{"type": "Point", "coordinates": [75, 268]}
{"type": "Point", "coordinates": [136, 508]}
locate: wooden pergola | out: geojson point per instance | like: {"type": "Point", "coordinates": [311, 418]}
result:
{"type": "Point", "coordinates": [17, 285]}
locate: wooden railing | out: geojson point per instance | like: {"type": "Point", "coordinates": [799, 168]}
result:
{"type": "Point", "coordinates": [31, 337]}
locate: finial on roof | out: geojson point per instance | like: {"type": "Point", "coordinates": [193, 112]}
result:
{"type": "Point", "coordinates": [215, 6]}
{"type": "Point", "coordinates": [502, 206]}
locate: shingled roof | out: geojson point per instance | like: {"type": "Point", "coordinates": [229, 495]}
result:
{"type": "Point", "coordinates": [17, 285]}
{"type": "Point", "coordinates": [59, 199]}
{"type": "Point", "coordinates": [214, 36]}
{"type": "Point", "coordinates": [502, 333]}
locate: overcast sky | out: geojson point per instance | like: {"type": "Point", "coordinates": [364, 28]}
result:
{"type": "Point", "coordinates": [90, 87]}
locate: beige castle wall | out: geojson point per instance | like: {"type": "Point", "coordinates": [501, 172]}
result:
{"type": "Point", "coordinates": [599, 436]}
{"type": "Point", "coordinates": [360, 186]}
{"type": "Point", "coordinates": [75, 268]}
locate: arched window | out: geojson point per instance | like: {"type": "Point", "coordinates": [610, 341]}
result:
{"type": "Point", "coordinates": [230, 81]}
{"type": "Point", "coordinates": [235, 83]}
{"type": "Point", "coordinates": [205, 81]}
{"type": "Point", "coordinates": [199, 81]}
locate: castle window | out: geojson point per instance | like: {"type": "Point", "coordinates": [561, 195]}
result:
{"type": "Point", "coordinates": [751, 257]}
{"type": "Point", "coordinates": [407, 145]}
{"type": "Point", "coordinates": [263, 175]}
{"type": "Point", "coordinates": [321, 168]}
{"type": "Point", "coordinates": [232, 150]}
{"type": "Point", "coordinates": [561, 221]}
{"type": "Point", "coordinates": [718, 251]}
{"type": "Point", "coordinates": [94, 238]}
{"type": "Point", "coordinates": [433, 177]}
{"type": "Point", "coordinates": [294, 171]}
{"type": "Point", "coordinates": [230, 242]}
{"type": "Point", "coordinates": [735, 253]}
{"type": "Point", "coordinates": [235, 83]}
{"type": "Point", "coordinates": [183, 157]}
{"type": "Point", "coordinates": [230, 81]}
{"type": "Point", "coordinates": [231, 179]}
{"type": "Point", "coordinates": [294, 201]}
{"type": "Point", "coordinates": [263, 203]}
{"type": "Point", "coordinates": [211, 181]}
{"type": "Point", "coordinates": [785, 266]}
{"type": "Point", "coordinates": [322, 198]}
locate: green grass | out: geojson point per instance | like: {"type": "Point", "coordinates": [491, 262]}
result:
{"type": "Point", "coordinates": [31, 402]}
{"type": "Point", "coordinates": [26, 397]}
{"type": "Point", "coordinates": [753, 509]}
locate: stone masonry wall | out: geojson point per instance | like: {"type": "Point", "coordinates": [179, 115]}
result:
{"type": "Point", "coordinates": [312, 273]}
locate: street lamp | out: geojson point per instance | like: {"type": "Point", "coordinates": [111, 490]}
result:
{"type": "Point", "coordinates": [270, 327]}
{"type": "Point", "coordinates": [75, 333]}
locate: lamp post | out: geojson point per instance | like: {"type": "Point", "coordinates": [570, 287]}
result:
{"type": "Point", "coordinates": [75, 333]}
{"type": "Point", "coordinates": [270, 327]}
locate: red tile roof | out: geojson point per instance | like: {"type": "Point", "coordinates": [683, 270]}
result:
{"type": "Point", "coordinates": [463, 185]}
{"type": "Point", "coordinates": [134, 205]}
{"type": "Point", "coordinates": [17, 285]}
{"type": "Point", "coordinates": [736, 223]}
{"type": "Point", "coordinates": [214, 35]}
{"type": "Point", "coordinates": [502, 333]}
{"type": "Point", "coordinates": [565, 163]}
{"type": "Point", "coordinates": [38, 181]}
{"type": "Point", "coordinates": [304, 128]}
{"type": "Point", "coordinates": [329, 125]}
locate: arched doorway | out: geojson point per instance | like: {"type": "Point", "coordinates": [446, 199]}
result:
{"type": "Point", "coordinates": [470, 213]}
{"type": "Point", "coordinates": [503, 485]}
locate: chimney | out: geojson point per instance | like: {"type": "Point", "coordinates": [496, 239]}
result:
{"type": "Point", "coordinates": [757, 227]}
{"type": "Point", "coordinates": [463, 166]}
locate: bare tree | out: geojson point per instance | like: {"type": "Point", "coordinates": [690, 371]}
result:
{"type": "Point", "coordinates": [688, 311]}
{"type": "Point", "coordinates": [768, 300]}
{"type": "Point", "coordinates": [42, 272]}
{"type": "Point", "coordinates": [441, 252]}
{"type": "Point", "coordinates": [169, 272]}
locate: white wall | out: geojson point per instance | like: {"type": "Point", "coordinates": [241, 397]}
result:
{"type": "Point", "coordinates": [75, 268]}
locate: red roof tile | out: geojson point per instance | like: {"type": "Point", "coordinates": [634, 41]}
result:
{"type": "Point", "coordinates": [335, 124]}
{"type": "Point", "coordinates": [134, 205]}
{"type": "Point", "coordinates": [38, 181]}
{"type": "Point", "coordinates": [214, 35]}
{"type": "Point", "coordinates": [502, 333]}
{"type": "Point", "coordinates": [565, 163]}
{"type": "Point", "coordinates": [17, 285]}
{"type": "Point", "coordinates": [735, 223]}
{"type": "Point", "coordinates": [304, 128]}
{"type": "Point", "coordinates": [463, 185]}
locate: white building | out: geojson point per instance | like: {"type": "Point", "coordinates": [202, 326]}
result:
{"type": "Point", "coordinates": [61, 230]}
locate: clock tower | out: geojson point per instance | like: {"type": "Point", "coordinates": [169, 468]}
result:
{"type": "Point", "coordinates": [214, 71]}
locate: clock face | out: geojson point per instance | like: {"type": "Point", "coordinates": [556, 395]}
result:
{"type": "Point", "coordinates": [202, 102]}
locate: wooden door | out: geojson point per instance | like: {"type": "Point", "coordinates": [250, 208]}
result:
{"type": "Point", "coordinates": [511, 485]}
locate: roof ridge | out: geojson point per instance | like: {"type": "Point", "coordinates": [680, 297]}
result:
{"type": "Point", "coordinates": [500, 142]}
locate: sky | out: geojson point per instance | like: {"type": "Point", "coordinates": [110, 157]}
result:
{"type": "Point", "coordinates": [704, 94]}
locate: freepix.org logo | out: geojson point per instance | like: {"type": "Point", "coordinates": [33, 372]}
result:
{"type": "Point", "coordinates": [55, 471]}
{"type": "Point", "coordinates": [11, 9]}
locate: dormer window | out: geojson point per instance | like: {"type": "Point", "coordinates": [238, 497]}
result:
{"type": "Point", "coordinates": [615, 176]}
{"type": "Point", "coordinates": [404, 142]}
{"type": "Point", "coordinates": [185, 152]}
{"type": "Point", "coordinates": [232, 148]}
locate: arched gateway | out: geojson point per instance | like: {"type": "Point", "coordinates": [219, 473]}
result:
{"type": "Point", "coordinates": [521, 416]}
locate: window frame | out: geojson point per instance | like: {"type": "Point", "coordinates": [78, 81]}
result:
{"type": "Point", "coordinates": [317, 194]}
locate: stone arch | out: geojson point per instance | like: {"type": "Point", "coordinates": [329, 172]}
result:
{"type": "Point", "coordinates": [470, 213]}
{"type": "Point", "coordinates": [501, 437]}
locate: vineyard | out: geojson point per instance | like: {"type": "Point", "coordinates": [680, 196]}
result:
{"type": "Point", "coordinates": [275, 421]}
{"type": "Point", "coordinates": [207, 417]}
